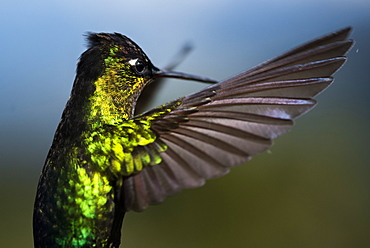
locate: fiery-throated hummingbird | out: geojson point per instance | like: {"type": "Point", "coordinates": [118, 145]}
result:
{"type": "Point", "coordinates": [104, 161]}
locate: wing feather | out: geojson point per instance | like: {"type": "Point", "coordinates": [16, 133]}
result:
{"type": "Point", "coordinates": [340, 36]}
{"type": "Point", "coordinates": [227, 123]}
{"type": "Point", "coordinates": [302, 88]}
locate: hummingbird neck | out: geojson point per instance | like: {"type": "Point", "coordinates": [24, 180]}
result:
{"type": "Point", "coordinates": [107, 105]}
{"type": "Point", "coordinates": [115, 93]}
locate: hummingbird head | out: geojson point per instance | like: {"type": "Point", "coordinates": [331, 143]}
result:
{"type": "Point", "coordinates": [116, 59]}
{"type": "Point", "coordinates": [111, 74]}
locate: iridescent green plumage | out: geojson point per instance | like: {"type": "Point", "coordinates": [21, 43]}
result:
{"type": "Point", "coordinates": [104, 161]}
{"type": "Point", "coordinates": [78, 201]}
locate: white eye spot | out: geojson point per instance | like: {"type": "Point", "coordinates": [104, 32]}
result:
{"type": "Point", "coordinates": [132, 61]}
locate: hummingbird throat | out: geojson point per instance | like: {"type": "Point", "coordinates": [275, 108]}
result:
{"type": "Point", "coordinates": [116, 92]}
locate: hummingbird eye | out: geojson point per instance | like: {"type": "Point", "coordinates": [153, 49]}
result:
{"type": "Point", "coordinates": [138, 66]}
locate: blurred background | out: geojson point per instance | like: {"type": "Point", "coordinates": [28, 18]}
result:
{"type": "Point", "coordinates": [310, 190]}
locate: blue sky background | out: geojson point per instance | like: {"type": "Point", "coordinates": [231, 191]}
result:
{"type": "Point", "coordinates": [311, 190]}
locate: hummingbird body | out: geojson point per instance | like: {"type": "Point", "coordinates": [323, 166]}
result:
{"type": "Point", "coordinates": [104, 161]}
{"type": "Point", "coordinates": [82, 176]}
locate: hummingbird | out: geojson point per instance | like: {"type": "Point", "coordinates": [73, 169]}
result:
{"type": "Point", "coordinates": [105, 161]}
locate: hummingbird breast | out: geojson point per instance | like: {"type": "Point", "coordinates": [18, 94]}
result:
{"type": "Point", "coordinates": [75, 205]}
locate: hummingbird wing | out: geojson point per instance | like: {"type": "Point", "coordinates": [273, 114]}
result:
{"type": "Point", "coordinates": [202, 135]}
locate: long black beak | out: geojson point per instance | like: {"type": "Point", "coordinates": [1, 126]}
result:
{"type": "Point", "coordinates": [157, 73]}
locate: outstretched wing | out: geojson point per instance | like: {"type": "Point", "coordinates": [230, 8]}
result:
{"type": "Point", "coordinates": [202, 135]}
